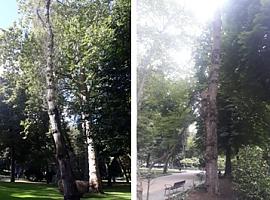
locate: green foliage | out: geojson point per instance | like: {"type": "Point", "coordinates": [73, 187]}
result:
{"type": "Point", "coordinates": [251, 179]}
{"type": "Point", "coordinates": [243, 95]}
{"type": "Point", "coordinates": [165, 111]}
{"type": "Point", "coordinates": [190, 162]}
{"type": "Point", "coordinates": [91, 58]}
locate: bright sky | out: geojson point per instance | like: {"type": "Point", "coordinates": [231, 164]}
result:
{"type": "Point", "coordinates": [8, 12]}
{"type": "Point", "coordinates": [203, 11]}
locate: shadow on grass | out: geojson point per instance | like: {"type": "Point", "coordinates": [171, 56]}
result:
{"type": "Point", "coordinates": [31, 191]}
{"type": "Point", "coordinates": [119, 192]}
{"type": "Point", "coordinates": [10, 191]}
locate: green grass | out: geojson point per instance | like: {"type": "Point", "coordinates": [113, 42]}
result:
{"type": "Point", "coordinates": [32, 191]}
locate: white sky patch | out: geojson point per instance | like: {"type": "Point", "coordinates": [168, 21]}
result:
{"type": "Point", "coordinates": [204, 9]}
{"type": "Point", "coordinates": [184, 61]}
{"type": "Point", "coordinates": [192, 128]}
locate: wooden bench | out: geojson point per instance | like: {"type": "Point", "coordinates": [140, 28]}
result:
{"type": "Point", "coordinates": [171, 191]}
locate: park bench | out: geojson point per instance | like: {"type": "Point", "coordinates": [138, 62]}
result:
{"type": "Point", "coordinates": [172, 191]}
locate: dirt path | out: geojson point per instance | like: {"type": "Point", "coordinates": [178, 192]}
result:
{"type": "Point", "coordinates": [226, 192]}
{"type": "Point", "coordinates": [156, 191]}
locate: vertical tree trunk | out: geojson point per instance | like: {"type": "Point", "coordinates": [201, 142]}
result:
{"type": "Point", "coordinates": [211, 153]}
{"type": "Point", "coordinates": [94, 178]}
{"type": "Point", "coordinates": [228, 162]}
{"type": "Point", "coordinates": [70, 189]}
{"type": "Point", "coordinates": [93, 169]}
{"type": "Point", "coordinates": [165, 168]}
{"type": "Point", "coordinates": [12, 165]}
{"type": "Point", "coordinates": [148, 160]}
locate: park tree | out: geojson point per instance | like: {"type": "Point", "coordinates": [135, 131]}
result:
{"type": "Point", "coordinates": [164, 119]}
{"type": "Point", "coordinates": [91, 63]}
{"type": "Point", "coordinates": [70, 189]}
{"type": "Point", "coordinates": [210, 110]}
{"type": "Point", "coordinates": [157, 39]}
{"type": "Point", "coordinates": [242, 97]}
{"type": "Point", "coordinates": [24, 100]}
{"type": "Point", "coordinates": [11, 139]}
{"type": "Point", "coordinates": [95, 78]}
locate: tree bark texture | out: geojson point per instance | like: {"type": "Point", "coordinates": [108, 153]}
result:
{"type": "Point", "coordinates": [94, 178]}
{"type": "Point", "coordinates": [211, 153]}
{"type": "Point", "coordinates": [70, 189]}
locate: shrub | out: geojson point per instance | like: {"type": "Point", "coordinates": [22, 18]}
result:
{"type": "Point", "coordinates": [251, 175]}
{"type": "Point", "coordinates": [190, 162]}
{"type": "Point", "coordinates": [221, 163]}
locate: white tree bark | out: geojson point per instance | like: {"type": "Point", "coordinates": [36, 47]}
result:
{"type": "Point", "coordinates": [93, 170]}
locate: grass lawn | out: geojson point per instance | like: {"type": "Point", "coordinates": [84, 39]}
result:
{"type": "Point", "coordinates": [32, 191]}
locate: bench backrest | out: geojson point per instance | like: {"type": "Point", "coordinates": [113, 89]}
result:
{"type": "Point", "coordinates": [179, 184]}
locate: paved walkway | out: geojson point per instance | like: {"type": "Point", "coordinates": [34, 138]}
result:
{"type": "Point", "coordinates": [156, 191]}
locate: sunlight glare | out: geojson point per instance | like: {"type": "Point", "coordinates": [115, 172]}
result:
{"type": "Point", "coordinates": [204, 9]}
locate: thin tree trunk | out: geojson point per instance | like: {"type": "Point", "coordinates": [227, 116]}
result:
{"type": "Point", "coordinates": [228, 162]}
{"type": "Point", "coordinates": [70, 189]}
{"type": "Point", "coordinates": [148, 160]}
{"type": "Point", "coordinates": [123, 168]}
{"type": "Point", "coordinates": [211, 153]}
{"type": "Point", "coordinates": [12, 165]}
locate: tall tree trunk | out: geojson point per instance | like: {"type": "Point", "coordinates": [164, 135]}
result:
{"type": "Point", "coordinates": [12, 164]}
{"type": "Point", "coordinates": [95, 183]}
{"type": "Point", "coordinates": [93, 170]}
{"type": "Point", "coordinates": [211, 153]}
{"type": "Point", "coordinates": [69, 185]}
{"type": "Point", "coordinates": [228, 162]}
